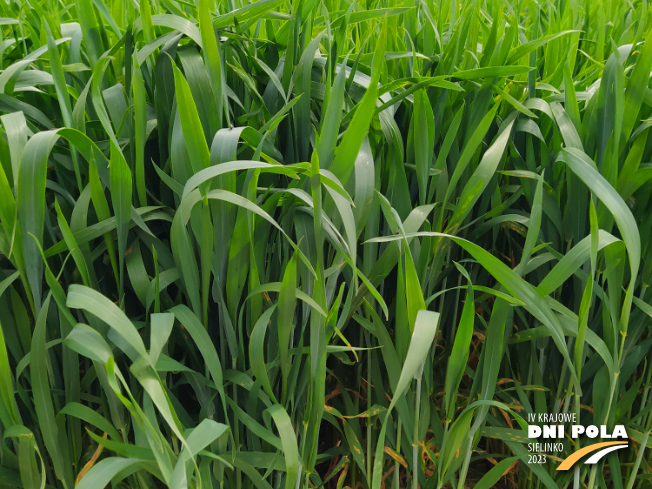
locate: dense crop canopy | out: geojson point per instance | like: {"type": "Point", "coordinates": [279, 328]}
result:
{"type": "Point", "coordinates": [304, 244]}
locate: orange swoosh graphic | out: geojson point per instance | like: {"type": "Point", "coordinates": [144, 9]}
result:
{"type": "Point", "coordinates": [568, 463]}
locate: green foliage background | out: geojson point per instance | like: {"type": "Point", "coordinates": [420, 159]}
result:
{"type": "Point", "coordinates": [322, 243]}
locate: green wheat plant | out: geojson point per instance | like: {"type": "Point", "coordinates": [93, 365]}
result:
{"type": "Point", "coordinates": [330, 244]}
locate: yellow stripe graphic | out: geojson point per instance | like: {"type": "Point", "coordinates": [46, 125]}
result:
{"type": "Point", "coordinates": [568, 463]}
